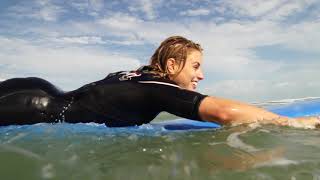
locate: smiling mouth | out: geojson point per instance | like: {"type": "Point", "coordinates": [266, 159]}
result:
{"type": "Point", "coordinates": [194, 84]}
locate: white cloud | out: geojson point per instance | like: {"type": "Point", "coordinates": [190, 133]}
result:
{"type": "Point", "coordinates": [120, 22]}
{"type": "Point", "coordinates": [252, 7]}
{"type": "Point", "coordinates": [288, 8]}
{"type": "Point", "coordinates": [303, 37]}
{"type": "Point", "coordinates": [132, 28]}
{"type": "Point", "coordinates": [81, 5]}
{"type": "Point", "coordinates": [94, 40]}
{"type": "Point", "coordinates": [80, 40]}
{"type": "Point", "coordinates": [80, 65]}
{"type": "Point", "coordinates": [40, 9]}
{"type": "Point", "coordinates": [196, 12]}
{"type": "Point", "coordinates": [285, 83]}
{"type": "Point", "coordinates": [49, 13]}
{"type": "Point", "coordinates": [127, 42]}
{"type": "Point", "coordinates": [148, 7]}
{"type": "Point", "coordinates": [238, 72]}
{"type": "Point", "coordinates": [97, 5]}
{"type": "Point", "coordinates": [271, 9]}
{"type": "Point", "coordinates": [90, 7]}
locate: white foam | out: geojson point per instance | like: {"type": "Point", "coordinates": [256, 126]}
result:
{"type": "Point", "coordinates": [21, 151]}
{"type": "Point", "coordinates": [146, 126]}
{"type": "Point", "coordinates": [133, 137]}
{"type": "Point", "coordinates": [93, 124]}
{"type": "Point", "coordinates": [47, 171]}
{"type": "Point", "coordinates": [18, 136]}
{"type": "Point", "coordinates": [234, 141]}
{"type": "Point", "coordinates": [277, 162]}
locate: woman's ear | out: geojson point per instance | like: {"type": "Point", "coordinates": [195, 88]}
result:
{"type": "Point", "coordinates": [171, 66]}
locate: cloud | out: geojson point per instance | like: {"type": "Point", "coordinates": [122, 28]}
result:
{"type": "Point", "coordinates": [80, 5]}
{"type": "Point", "coordinates": [235, 36]}
{"type": "Point", "coordinates": [148, 7]}
{"type": "Point", "coordinates": [304, 36]}
{"type": "Point", "coordinates": [89, 7]}
{"type": "Point", "coordinates": [120, 21]}
{"type": "Point", "coordinates": [86, 49]}
{"type": "Point", "coordinates": [94, 40]}
{"type": "Point", "coordinates": [97, 5]}
{"type": "Point", "coordinates": [131, 28]}
{"type": "Point", "coordinates": [272, 9]}
{"type": "Point", "coordinates": [251, 8]}
{"type": "Point", "coordinates": [196, 12]}
{"type": "Point", "coordinates": [289, 8]}
{"type": "Point", "coordinates": [286, 83]}
{"type": "Point", "coordinates": [80, 65]}
{"type": "Point", "coordinates": [40, 10]}
{"type": "Point", "coordinates": [80, 40]}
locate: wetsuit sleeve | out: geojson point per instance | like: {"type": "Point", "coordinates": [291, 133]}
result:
{"type": "Point", "coordinates": [177, 101]}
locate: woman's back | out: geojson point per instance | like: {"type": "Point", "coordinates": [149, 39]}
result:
{"type": "Point", "coordinates": [121, 99]}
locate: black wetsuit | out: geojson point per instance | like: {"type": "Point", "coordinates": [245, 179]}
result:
{"type": "Point", "coordinates": [121, 99]}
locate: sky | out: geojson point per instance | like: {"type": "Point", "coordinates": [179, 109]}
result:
{"type": "Point", "coordinates": [254, 50]}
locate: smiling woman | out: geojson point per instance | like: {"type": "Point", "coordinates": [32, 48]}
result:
{"type": "Point", "coordinates": [179, 59]}
{"type": "Point", "coordinates": [135, 97]}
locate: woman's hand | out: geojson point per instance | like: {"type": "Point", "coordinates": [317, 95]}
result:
{"type": "Point", "coordinates": [305, 122]}
{"type": "Point", "coordinates": [301, 122]}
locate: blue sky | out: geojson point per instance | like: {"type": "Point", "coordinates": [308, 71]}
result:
{"type": "Point", "coordinates": [255, 50]}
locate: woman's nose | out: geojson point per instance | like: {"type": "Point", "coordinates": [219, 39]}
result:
{"type": "Point", "coordinates": [200, 75]}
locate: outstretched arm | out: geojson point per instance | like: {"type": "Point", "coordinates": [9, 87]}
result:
{"type": "Point", "coordinates": [229, 112]}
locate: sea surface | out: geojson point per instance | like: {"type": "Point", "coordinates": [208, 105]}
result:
{"type": "Point", "coordinates": [93, 151]}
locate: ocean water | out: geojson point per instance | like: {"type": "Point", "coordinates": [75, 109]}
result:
{"type": "Point", "coordinates": [92, 151]}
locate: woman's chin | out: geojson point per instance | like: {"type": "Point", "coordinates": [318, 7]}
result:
{"type": "Point", "coordinates": [192, 88]}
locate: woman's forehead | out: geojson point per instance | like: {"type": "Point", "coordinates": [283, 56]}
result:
{"type": "Point", "coordinates": [195, 56]}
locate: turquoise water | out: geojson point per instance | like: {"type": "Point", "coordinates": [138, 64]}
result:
{"type": "Point", "coordinates": [91, 151]}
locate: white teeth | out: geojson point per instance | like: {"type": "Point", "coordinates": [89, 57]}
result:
{"type": "Point", "coordinates": [194, 84]}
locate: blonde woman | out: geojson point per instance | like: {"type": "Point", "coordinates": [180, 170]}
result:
{"type": "Point", "coordinates": [136, 97]}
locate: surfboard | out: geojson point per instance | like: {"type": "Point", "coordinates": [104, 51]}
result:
{"type": "Point", "coordinates": [290, 108]}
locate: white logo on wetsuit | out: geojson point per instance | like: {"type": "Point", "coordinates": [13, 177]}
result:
{"type": "Point", "coordinates": [129, 75]}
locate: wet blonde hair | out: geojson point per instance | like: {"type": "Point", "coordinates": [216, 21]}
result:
{"type": "Point", "coordinates": [176, 47]}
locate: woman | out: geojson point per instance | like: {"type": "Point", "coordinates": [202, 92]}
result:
{"type": "Point", "coordinates": [135, 97]}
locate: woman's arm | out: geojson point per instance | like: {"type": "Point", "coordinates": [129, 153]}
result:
{"type": "Point", "coordinates": [228, 112]}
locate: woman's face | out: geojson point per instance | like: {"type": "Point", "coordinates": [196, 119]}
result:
{"type": "Point", "coordinates": [191, 73]}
